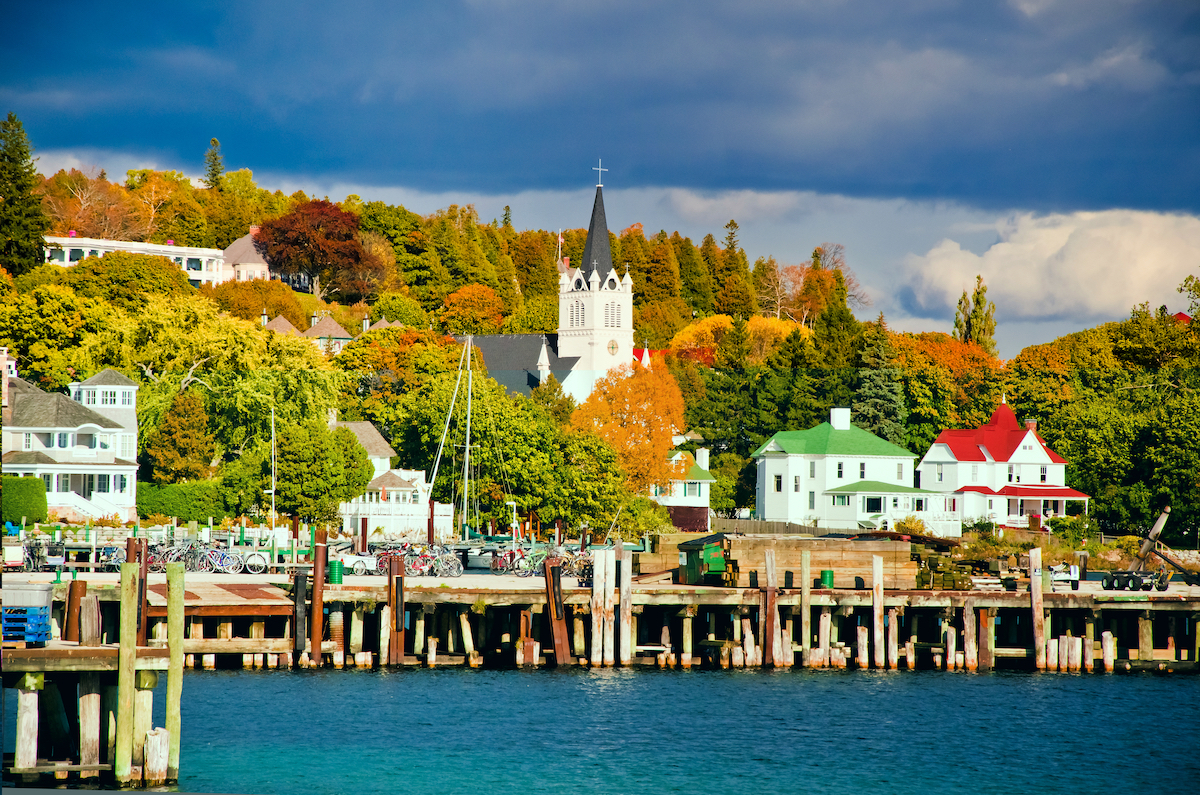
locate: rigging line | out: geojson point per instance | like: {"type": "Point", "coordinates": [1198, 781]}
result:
{"type": "Point", "coordinates": [449, 414]}
{"type": "Point", "coordinates": [467, 448]}
{"type": "Point", "coordinates": [499, 449]}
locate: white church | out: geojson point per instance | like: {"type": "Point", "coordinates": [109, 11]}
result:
{"type": "Point", "coordinates": [595, 325]}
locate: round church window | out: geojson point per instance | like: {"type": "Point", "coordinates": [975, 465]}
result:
{"type": "Point", "coordinates": [613, 347]}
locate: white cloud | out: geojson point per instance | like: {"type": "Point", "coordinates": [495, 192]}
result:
{"type": "Point", "coordinates": [1126, 66]}
{"type": "Point", "coordinates": [1086, 266]}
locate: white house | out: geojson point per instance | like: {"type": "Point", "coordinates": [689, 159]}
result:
{"type": "Point", "coordinates": [839, 477]}
{"type": "Point", "coordinates": [242, 260]}
{"type": "Point", "coordinates": [1002, 471]}
{"type": "Point", "coordinates": [396, 501]}
{"type": "Point", "coordinates": [687, 500]}
{"type": "Point", "coordinates": [83, 447]}
{"type": "Point", "coordinates": [202, 265]}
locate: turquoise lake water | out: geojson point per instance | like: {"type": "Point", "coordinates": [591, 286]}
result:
{"type": "Point", "coordinates": [637, 731]}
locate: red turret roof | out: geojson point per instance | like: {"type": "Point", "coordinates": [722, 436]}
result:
{"type": "Point", "coordinates": [1000, 437]}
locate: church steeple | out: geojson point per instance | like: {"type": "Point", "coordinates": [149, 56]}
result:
{"type": "Point", "coordinates": [597, 256]}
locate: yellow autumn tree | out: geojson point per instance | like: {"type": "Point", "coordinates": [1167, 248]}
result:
{"type": "Point", "coordinates": [766, 335]}
{"type": "Point", "coordinates": [637, 410]}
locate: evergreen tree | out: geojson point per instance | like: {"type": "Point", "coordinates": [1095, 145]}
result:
{"type": "Point", "coordinates": [736, 298]}
{"type": "Point", "coordinates": [662, 270]}
{"type": "Point", "coordinates": [879, 405]}
{"type": "Point", "coordinates": [313, 473]}
{"type": "Point", "coordinates": [733, 258]}
{"type": "Point", "coordinates": [550, 396]}
{"type": "Point", "coordinates": [714, 263]}
{"type": "Point", "coordinates": [182, 449]}
{"type": "Point", "coordinates": [975, 320]}
{"type": "Point", "coordinates": [22, 222]}
{"type": "Point", "coordinates": [695, 283]}
{"type": "Point", "coordinates": [214, 165]}
{"type": "Point", "coordinates": [734, 349]}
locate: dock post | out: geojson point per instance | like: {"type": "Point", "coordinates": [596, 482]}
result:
{"type": "Point", "coordinates": [863, 658]}
{"type": "Point", "coordinates": [970, 637]}
{"type": "Point", "coordinates": [337, 635]}
{"type": "Point", "coordinates": [385, 634]}
{"type": "Point", "coordinates": [1039, 614]}
{"type": "Point", "coordinates": [143, 714]}
{"type": "Point", "coordinates": [1145, 636]}
{"type": "Point", "coordinates": [1052, 654]}
{"type": "Point", "coordinates": [419, 630]}
{"type": "Point", "coordinates": [579, 641]}
{"type": "Point", "coordinates": [473, 658]}
{"type": "Point", "coordinates": [823, 632]}
{"type": "Point", "coordinates": [158, 745]}
{"type": "Point", "coordinates": [893, 638]}
{"type": "Point", "coordinates": [685, 653]}
{"type": "Point", "coordinates": [317, 620]}
{"type": "Point", "coordinates": [558, 616]}
{"type": "Point", "coordinates": [258, 631]}
{"type": "Point", "coordinates": [299, 617]}
{"type": "Point", "coordinates": [28, 687]}
{"type": "Point", "coordinates": [599, 579]}
{"type": "Point", "coordinates": [356, 633]}
{"type": "Point", "coordinates": [987, 639]}
{"type": "Point", "coordinates": [1108, 651]}
{"type": "Point", "coordinates": [610, 584]}
{"type": "Point", "coordinates": [950, 637]}
{"type": "Point", "coordinates": [805, 605]}
{"type": "Point", "coordinates": [89, 688]}
{"type": "Point", "coordinates": [126, 662]}
{"type": "Point", "coordinates": [174, 719]}
{"type": "Point", "coordinates": [76, 590]}
{"type": "Point", "coordinates": [395, 627]}
{"type": "Point", "coordinates": [625, 617]}
{"type": "Point", "coordinates": [877, 610]}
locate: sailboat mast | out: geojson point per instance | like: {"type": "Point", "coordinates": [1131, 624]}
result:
{"type": "Point", "coordinates": [467, 452]}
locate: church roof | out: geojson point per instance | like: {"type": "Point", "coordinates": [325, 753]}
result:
{"type": "Point", "coordinates": [596, 252]}
{"type": "Point", "coordinates": [512, 359]}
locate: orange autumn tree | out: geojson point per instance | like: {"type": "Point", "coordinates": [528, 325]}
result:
{"type": "Point", "coordinates": [637, 410]}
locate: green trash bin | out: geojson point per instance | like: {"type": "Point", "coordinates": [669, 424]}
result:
{"type": "Point", "coordinates": [826, 578]}
{"type": "Point", "coordinates": [336, 569]}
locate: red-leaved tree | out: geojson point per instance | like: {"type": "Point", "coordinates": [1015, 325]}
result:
{"type": "Point", "coordinates": [317, 239]}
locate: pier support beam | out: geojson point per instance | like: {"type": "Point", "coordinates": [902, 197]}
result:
{"type": "Point", "coordinates": [317, 620]}
{"type": "Point", "coordinates": [126, 662]}
{"type": "Point", "coordinates": [1108, 651]}
{"type": "Point", "coordinates": [877, 610]}
{"type": "Point", "coordinates": [970, 637]}
{"type": "Point", "coordinates": [174, 719]}
{"type": "Point", "coordinates": [143, 713]}
{"type": "Point", "coordinates": [625, 639]}
{"type": "Point", "coordinates": [1089, 641]}
{"type": "Point", "coordinates": [685, 652]}
{"type": "Point", "coordinates": [28, 687]}
{"type": "Point", "coordinates": [1145, 636]}
{"type": "Point", "coordinates": [893, 639]}
{"type": "Point", "coordinates": [824, 629]}
{"type": "Point", "coordinates": [805, 606]}
{"type": "Point", "coordinates": [89, 722]}
{"type": "Point", "coordinates": [987, 639]}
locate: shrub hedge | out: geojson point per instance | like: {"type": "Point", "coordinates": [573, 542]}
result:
{"type": "Point", "coordinates": [23, 497]}
{"type": "Point", "coordinates": [196, 500]}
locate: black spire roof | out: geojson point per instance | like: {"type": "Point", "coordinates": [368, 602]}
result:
{"type": "Point", "coordinates": [596, 252]}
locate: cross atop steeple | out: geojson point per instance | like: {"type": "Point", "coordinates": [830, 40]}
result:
{"type": "Point", "coordinates": [600, 173]}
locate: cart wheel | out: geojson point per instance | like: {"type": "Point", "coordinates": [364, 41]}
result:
{"type": "Point", "coordinates": [1135, 582]}
{"type": "Point", "coordinates": [1107, 582]}
{"type": "Point", "coordinates": [256, 563]}
{"type": "Point", "coordinates": [360, 568]}
{"type": "Point", "coordinates": [1162, 584]}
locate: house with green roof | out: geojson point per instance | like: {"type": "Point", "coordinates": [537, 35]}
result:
{"type": "Point", "coordinates": [837, 476]}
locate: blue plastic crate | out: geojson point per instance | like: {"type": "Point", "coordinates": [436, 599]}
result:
{"type": "Point", "coordinates": [26, 623]}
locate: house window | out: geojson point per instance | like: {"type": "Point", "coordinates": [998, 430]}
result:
{"type": "Point", "coordinates": [779, 483]}
{"type": "Point", "coordinates": [841, 499]}
{"type": "Point", "coordinates": [108, 397]}
{"type": "Point", "coordinates": [691, 489]}
{"type": "Point", "coordinates": [91, 441]}
{"type": "Point", "coordinates": [812, 501]}
{"type": "Point", "coordinates": [895, 502]}
{"type": "Point", "coordinates": [989, 505]}
{"type": "Point", "coordinates": [28, 441]}
{"type": "Point", "coordinates": [862, 471]}
{"type": "Point", "coordinates": [974, 473]}
{"type": "Point", "coordinates": [89, 397]}
{"type": "Point", "coordinates": [64, 483]}
{"type": "Point", "coordinates": [126, 397]}
{"type": "Point", "coordinates": [812, 469]}
{"type": "Point", "coordinates": [49, 481]}
{"type": "Point", "coordinates": [899, 471]}
{"type": "Point", "coordinates": [102, 484]}
{"type": "Point", "coordinates": [1042, 475]}
{"type": "Point", "coordinates": [105, 441]}
{"type": "Point", "coordinates": [839, 469]}
{"type": "Point", "coordinates": [953, 505]}
{"type": "Point", "coordinates": [127, 446]}
{"type": "Point", "coordinates": [919, 504]}
{"type": "Point", "coordinates": [122, 483]}
{"type": "Point", "coordinates": [940, 473]}
{"type": "Point", "coordinates": [874, 504]}
{"type": "Point", "coordinates": [796, 484]}
{"type": "Point", "coordinates": [1011, 473]}
{"type": "Point", "coordinates": [64, 440]}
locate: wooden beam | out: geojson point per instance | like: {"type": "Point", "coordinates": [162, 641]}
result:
{"type": "Point", "coordinates": [877, 610]}
{"type": "Point", "coordinates": [175, 644]}
{"type": "Point", "coordinates": [1039, 613]}
{"type": "Point", "coordinates": [123, 765]}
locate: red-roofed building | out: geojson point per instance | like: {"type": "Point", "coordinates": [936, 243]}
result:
{"type": "Point", "coordinates": [1002, 471]}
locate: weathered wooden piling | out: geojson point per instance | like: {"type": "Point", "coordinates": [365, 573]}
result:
{"type": "Point", "coordinates": [1108, 651]}
{"type": "Point", "coordinates": [317, 618]}
{"type": "Point", "coordinates": [805, 606]}
{"type": "Point", "coordinates": [174, 720]}
{"type": "Point", "coordinates": [893, 639]}
{"type": "Point", "coordinates": [126, 673]}
{"type": "Point", "coordinates": [1039, 613]}
{"type": "Point", "coordinates": [970, 637]}
{"type": "Point", "coordinates": [610, 606]}
{"type": "Point", "coordinates": [627, 639]}
{"type": "Point", "coordinates": [28, 688]}
{"type": "Point", "coordinates": [89, 690]}
{"type": "Point", "coordinates": [863, 659]}
{"type": "Point", "coordinates": [157, 753]}
{"type": "Point", "coordinates": [877, 610]}
{"type": "Point", "coordinates": [599, 579]}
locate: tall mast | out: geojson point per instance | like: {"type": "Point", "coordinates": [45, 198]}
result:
{"type": "Point", "coordinates": [272, 471]}
{"type": "Point", "coordinates": [467, 452]}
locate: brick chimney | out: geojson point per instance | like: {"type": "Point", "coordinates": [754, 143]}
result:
{"type": "Point", "coordinates": [254, 230]}
{"type": "Point", "coordinates": [1031, 425]}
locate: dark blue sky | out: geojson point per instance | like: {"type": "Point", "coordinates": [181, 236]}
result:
{"type": "Point", "coordinates": [1040, 104]}
{"type": "Point", "coordinates": [1052, 146]}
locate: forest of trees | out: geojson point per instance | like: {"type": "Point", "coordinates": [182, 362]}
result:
{"type": "Point", "coordinates": [744, 350]}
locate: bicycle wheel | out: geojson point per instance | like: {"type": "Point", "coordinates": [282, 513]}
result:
{"type": "Point", "coordinates": [411, 566]}
{"type": "Point", "coordinates": [205, 565]}
{"type": "Point", "coordinates": [360, 568]}
{"type": "Point", "coordinates": [382, 563]}
{"type": "Point", "coordinates": [232, 563]}
{"type": "Point", "coordinates": [256, 563]}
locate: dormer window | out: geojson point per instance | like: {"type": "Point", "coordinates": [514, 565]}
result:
{"type": "Point", "coordinates": [126, 397]}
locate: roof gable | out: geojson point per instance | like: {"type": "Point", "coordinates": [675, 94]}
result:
{"type": "Point", "coordinates": [825, 440]}
{"type": "Point", "coordinates": [109, 377]}
{"type": "Point", "coordinates": [327, 327]}
{"type": "Point", "coordinates": [281, 325]}
{"type": "Point", "coordinates": [52, 410]}
{"type": "Point", "coordinates": [1000, 437]}
{"type": "Point", "coordinates": [370, 439]}
{"type": "Point", "coordinates": [243, 252]}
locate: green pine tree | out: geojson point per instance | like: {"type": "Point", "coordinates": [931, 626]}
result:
{"type": "Point", "coordinates": [879, 405]}
{"type": "Point", "coordinates": [181, 448]}
{"type": "Point", "coordinates": [22, 222]}
{"type": "Point", "coordinates": [975, 320]}
{"type": "Point", "coordinates": [737, 298]}
{"type": "Point", "coordinates": [214, 165]}
{"type": "Point", "coordinates": [695, 282]}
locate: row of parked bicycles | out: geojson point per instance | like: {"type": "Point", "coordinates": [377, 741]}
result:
{"type": "Point", "coordinates": [194, 555]}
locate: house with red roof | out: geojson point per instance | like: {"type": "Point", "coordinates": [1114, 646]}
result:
{"type": "Point", "coordinates": [1002, 471]}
